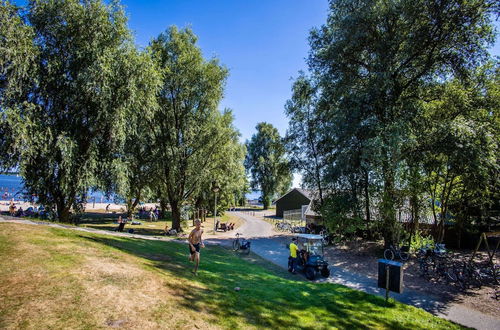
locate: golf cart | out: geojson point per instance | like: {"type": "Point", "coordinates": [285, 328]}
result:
{"type": "Point", "coordinates": [311, 256]}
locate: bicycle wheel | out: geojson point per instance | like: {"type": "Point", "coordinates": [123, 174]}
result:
{"type": "Point", "coordinates": [247, 250]}
{"type": "Point", "coordinates": [404, 255]}
{"type": "Point", "coordinates": [236, 245]}
{"type": "Point", "coordinates": [388, 254]}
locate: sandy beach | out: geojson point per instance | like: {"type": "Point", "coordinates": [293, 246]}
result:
{"type": "Point", "coordinates": [89, 207]}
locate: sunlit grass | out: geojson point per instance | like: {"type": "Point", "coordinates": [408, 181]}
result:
{"type": "Point", "coordinates": [58, 278]}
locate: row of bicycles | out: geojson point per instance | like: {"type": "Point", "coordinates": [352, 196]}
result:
{"type": "Point", "coordinates": [288, 227]}
{"type": "Point", "coordinates": [438, 265]}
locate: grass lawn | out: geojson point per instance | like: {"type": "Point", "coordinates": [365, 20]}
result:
{"type": "Point", "coordinates": [107, 221]}
{"type": "Point", "coordinates": [59, 278]}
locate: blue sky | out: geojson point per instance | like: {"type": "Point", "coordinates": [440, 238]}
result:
{"type": "Point", "coordinates": [263, 43]}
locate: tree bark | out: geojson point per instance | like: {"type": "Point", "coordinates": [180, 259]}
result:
{"type": "Point", "coordinates": [176, 215]}
{"type": "Point", "coordinates": [63, 210]}
{"type": "Point", "coordinates": [164, 208]}
{"type": "Point", "coordinates": [367, 201]}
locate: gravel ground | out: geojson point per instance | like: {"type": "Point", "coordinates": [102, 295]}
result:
{"type": "Point", "coordinates": [361, 258]}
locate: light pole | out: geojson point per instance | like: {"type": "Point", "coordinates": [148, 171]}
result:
{"type": "Point", "coordinates": [215, 189]}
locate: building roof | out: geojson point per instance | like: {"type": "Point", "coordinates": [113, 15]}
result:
{"type": "Point", "coordinates": [306, 193]}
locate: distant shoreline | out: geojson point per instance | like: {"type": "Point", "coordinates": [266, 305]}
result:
{"type": "Point", "coordinates": [9, 173]}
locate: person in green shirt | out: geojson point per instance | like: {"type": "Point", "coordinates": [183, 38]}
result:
{"type": "Point", "coordinates": [292, 259]}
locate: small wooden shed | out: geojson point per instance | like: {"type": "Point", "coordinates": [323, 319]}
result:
{"type": "Point", "coordinates": [292, 200]}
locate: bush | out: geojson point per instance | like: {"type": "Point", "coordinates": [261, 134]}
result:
{"type": "Point", "coordinates": [419, 241]}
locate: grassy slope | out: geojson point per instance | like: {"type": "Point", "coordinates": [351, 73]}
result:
{"type": "Point", "coordinates": [68, 279]}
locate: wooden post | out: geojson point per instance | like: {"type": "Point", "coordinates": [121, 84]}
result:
{"type": "Point", "coordinates": [387, 283]}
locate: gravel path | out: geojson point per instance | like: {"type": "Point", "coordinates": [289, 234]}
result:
{"type": "Point", "coordinates": [272, 246]}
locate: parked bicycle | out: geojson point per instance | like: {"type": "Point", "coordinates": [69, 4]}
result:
{"type": "Point", "coordinates": [283, 226]}
{"type": "Point", "coordinates": [436, 264]}
{"type": "Point", "coordinates": [241, 244]}
{"type": "Point", "coordinates": [395, 251]}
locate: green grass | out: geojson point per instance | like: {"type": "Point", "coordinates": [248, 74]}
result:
{"type": "Point", "coordinates": [67, 279]}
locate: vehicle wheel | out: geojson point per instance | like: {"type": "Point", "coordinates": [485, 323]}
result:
{"type": "Point", "coordinates": [247, 250]}
{"type": "Point", "coordinates": [388, 254]}
{"type": "Point", "coordinates": [404, 255]}
{"type": "Point", "coordinates": [236, 245]}
{"type": "Point", "coordinates": [310, 273]}
{"type": "Point", "coordinates": [325, 272]}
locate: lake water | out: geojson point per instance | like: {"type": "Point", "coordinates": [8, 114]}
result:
{"type": "Point", "coordinates": [11, 186]}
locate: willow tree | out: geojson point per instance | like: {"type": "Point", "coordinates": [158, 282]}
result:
{"type": "Point", "coordinates": [17, 53]}
{"type": "Point", "coordinates": [226, 171]}
{"type": "Point", "coordinates": [87, 76]}
{"type": "Point", "coordinates": [186, 127]}
{"type": "Point", "coordinates": [267, 163]}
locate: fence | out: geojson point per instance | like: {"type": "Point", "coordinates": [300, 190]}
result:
{"type": "Point", "coordinates": [295, 217]}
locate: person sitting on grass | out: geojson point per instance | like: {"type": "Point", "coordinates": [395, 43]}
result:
{"type": "Point", "coordinates": [121, 224]}
{"type": "Point", "coordinates": [20, 212]}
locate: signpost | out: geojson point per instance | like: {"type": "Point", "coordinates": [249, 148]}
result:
{"type": "Point", "coordinates": [390, 276]}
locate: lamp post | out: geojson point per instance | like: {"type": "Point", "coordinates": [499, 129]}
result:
{"type": "Point", "coordinates": [215, 189]}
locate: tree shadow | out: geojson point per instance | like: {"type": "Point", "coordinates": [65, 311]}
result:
{"type": "Point", "coordinates": [108, 221]}
{"type": "Point", "coordinates": [268, 297]}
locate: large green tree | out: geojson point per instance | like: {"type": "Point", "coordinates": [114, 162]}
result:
{"type": "Point", "coordinates": [372, 59]}
{"type": "Point", "coordinates": [188, 130]}
{"type": "Point", "coordinates": [17, 53]}
{"type": "Point", "coordinates": [87, 76]}
{"type": "Point", "coordinates": [459, 147]}
{"type": "Point", "coordinates": [267, 164]}
{"type": "Point", "coordinates": [132, 175]}
{"type": "Point", "coordinates": [303, 138]}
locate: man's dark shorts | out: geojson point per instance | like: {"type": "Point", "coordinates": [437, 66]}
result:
{"type": "Point", "coordinates": [196, 248]}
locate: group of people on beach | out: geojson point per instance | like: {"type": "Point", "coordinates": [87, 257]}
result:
{"type": "Point", "coordinates": [151, 214]}
{"type": "Point", "coordinates": [31, 211]}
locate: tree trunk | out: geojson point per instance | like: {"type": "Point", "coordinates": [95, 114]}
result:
{"type": "Point", "coordinates": [164, 208]}
{"type": "Point", "coordinates": [367, 202]}
{"type": "Point", "coordinates": [63, 211]}
{"type": "Point", "coordinates": [388, 212]}
{"type": "Point", "coordinates": [131, 206]}
{"type": "Point", "coordinates": [266, 203]}
{"type": "Point", "coordinates": [176, 215]}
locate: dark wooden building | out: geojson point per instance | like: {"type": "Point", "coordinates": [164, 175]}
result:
{"type": "Point", "coordinates": [292, 200]}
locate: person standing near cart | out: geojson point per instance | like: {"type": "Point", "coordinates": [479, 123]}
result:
{"type": "Point", "coordinates": [292, 259]}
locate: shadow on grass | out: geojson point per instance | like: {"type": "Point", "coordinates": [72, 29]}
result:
{"type": "Point", "coordinates": [108, 221]}
{"type": "Point", "coordinates": [268, 297]}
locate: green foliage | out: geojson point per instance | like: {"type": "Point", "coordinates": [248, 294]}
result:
{"type": "Point", "coordinates": [17, 53]}
{"type": "Point", "coordinates": [266, 162]}
{"type": "Point", "coordinates": [374, 66]}
{"type": "Point", "coordinates": [337, 210]}
{"type": "Point", "coordinates": [303, 134]}
{"type": "Point", "coordinates": [192, 142]}
{"type": "Point", "coordinates": [72, 119]}
{"type": "Point", "coordinates": [418, 241]}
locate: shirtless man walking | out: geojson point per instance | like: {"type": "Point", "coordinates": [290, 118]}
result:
{"type": "Point", "coordinates": [195, 242]}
